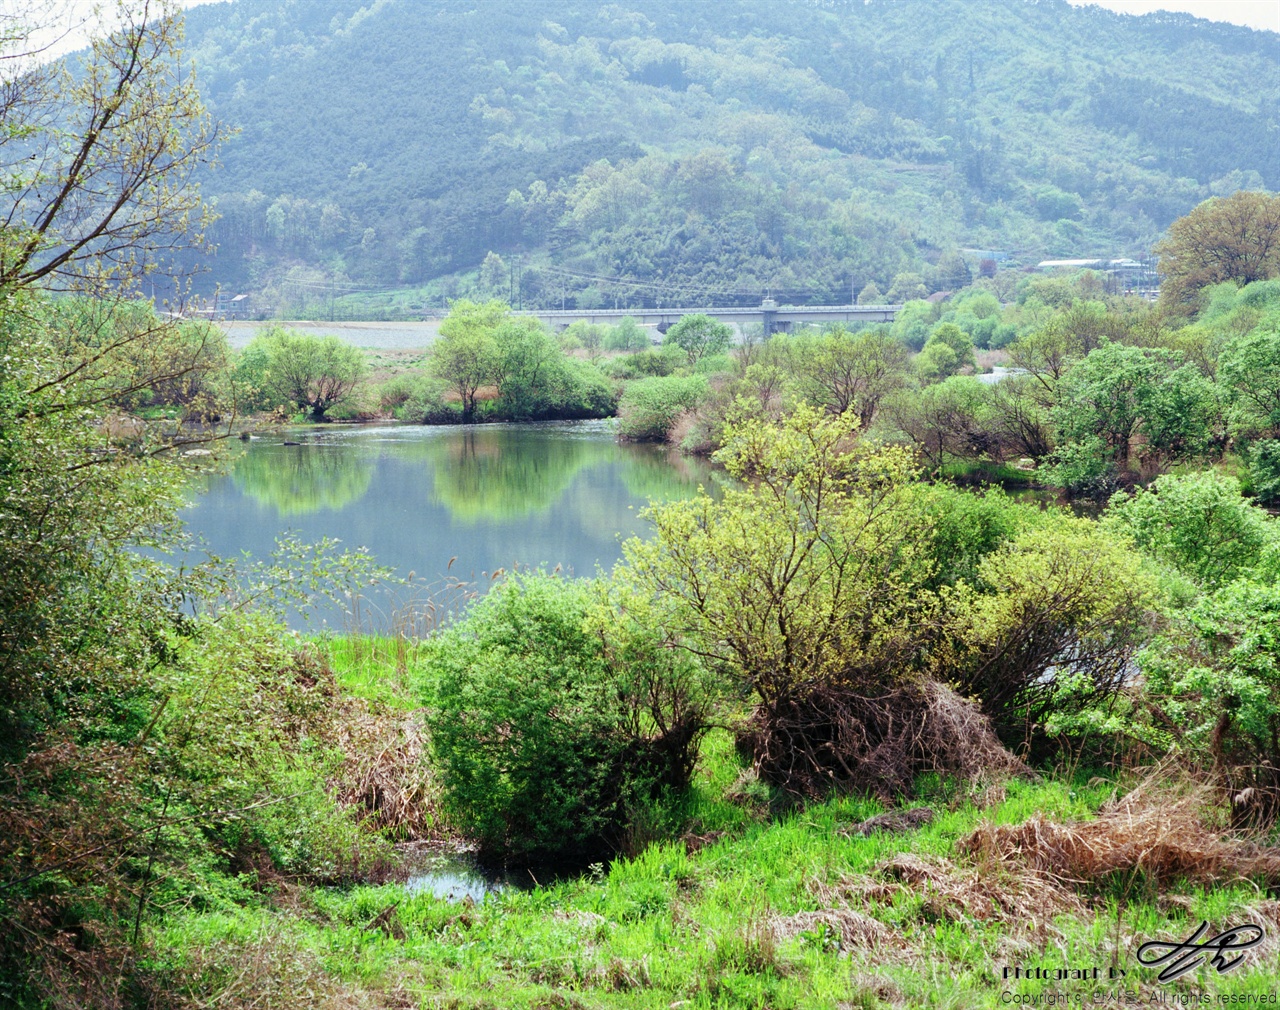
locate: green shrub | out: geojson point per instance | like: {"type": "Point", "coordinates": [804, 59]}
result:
{"type": "Point", "coordinates": [649, 407]}
{"type": "Point", "coordinates": [714, 364]}
{"type": "Point", "coordinates": [395, 392]}
{"type": "Point", "coordinates": [550, 731]}
{"type": "Point", "coordinates": [1211, 684]}
{"type": "Point", "coordinates": [966, 526]}
{"type": "Point", "coordinates": [586, 393]}
{"type": "Point", "coordinates": [652, 362]}
{"type": "Point", "coordinates": [1198, 523]}
{"type": "Point", "coordinates": [1264, 470]}
{"type": "Point", "coordinates": [425, 403]}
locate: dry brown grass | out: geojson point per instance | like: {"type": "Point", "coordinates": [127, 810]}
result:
{"type": "Point", "coordinates": [1024, 900]}
{"type": "Point", "coordinates": [483, 395]}
{"type": "Point", "coordinates": [1024, 876]}
{"type": "Point", "coordinates": [987, 359]}
{"type": "Point", "coordinates": [271, 972]}
{"type": "Point", "coordinates": [855, 930]}
{"type": "Point", "coordinates": [1163, 831]}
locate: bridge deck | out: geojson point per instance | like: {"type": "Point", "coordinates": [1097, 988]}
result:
{"type": "Point", "coordinates": [782, 315]}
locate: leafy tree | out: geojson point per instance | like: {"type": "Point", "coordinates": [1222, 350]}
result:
{"type": "Point", "coordinates": [95, 159]}
{"type": "Point", "coordinates": [906, 287]}
{"type": "Point", "coordinates": [589, 336]}
{"type": "Point", "coordinates": [312, 373]}
{"type": "Point", "coordinates": [493, 274]}
{"type": "Point", "coordinates": [951, 272]}
{"type": "Point", "coordinates": [1021, 417]}
{"type": "Point", "coordinates": [699, 336]}
{"type": "Point", "coordinates": [96, 195]}
{"type": "Point", "coordinates": [945, 421]}
{"type": "Point", "coordinates": [947, 350]}
{"type": "Point", "coordinates": [1234, 238]}
{"type": "Point", "coordinates": [1264, 470]}
{"type": "Point", "coordinates": [628, 335]}
{"type": "Point", "coordinates": [870, 295]}
{"type": "Point", "coordinates": [936, 362]}
{"type": "Point", "coordinates": [1046, 354]}
{"type": "Point", "coordinates": [1197, 523]}
{"type": "Point", "coordinates": [912, 323]}
{"type": "Point", "coordinates": [1249, 372]}
{"type": "Point", "coordinates": [844, 371]}
{"type": "Point", "coordinates": [466, 355]}
{"type": "Point", "coordinates": [1119, 392]}
{"type": "Point", "coordinates": [527, 363]}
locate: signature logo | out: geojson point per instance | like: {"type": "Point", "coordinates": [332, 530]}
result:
{"type": "Point", "coordinates": [1221, 951]}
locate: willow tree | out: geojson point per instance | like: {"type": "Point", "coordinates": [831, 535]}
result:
{"type": "Point", "coordinates": [1234, 238]}
{"type": "Point", "coordinates": [805, 585]}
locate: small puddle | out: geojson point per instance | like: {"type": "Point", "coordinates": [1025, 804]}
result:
{"type": "Point", "coordinates": [449, 872]}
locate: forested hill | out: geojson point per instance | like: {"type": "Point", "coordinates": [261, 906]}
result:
{"type": "Point", "coordinates": [680, 150]}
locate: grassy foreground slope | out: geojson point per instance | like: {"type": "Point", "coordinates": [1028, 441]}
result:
{"type": "Point", "coordinates": [753, 910]}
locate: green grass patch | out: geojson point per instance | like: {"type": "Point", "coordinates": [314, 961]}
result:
{"type": "Point", "coordinates": [707, 927]}
{"type": "Point", "coordinates": [373, 667]}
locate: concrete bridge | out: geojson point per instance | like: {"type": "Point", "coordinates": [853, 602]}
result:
{"type": "Point", "coordinates": [775, 318]}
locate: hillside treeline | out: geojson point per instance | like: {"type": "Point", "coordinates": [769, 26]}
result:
{"type": "Point", "coordinates": [687, 154]}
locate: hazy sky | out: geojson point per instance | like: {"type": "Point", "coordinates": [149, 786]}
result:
{"type": "Point", "coordinates": [1254, 13]}
{"type": "Point", "coordinates": [70, 32]}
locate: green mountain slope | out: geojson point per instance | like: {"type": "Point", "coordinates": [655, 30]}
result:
{"type": "Point", "coordinates": [654, 150]}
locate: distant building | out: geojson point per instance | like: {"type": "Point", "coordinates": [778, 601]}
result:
{"type": "Point", "coordinates": [233, 307]}
{"type": "Point", "coordinates": [1124, 276]}
{"type": "Point", "coordinates": [995, 255]}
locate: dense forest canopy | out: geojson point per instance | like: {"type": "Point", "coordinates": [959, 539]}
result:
{"type": "Point", "coordinates": [654, 150]}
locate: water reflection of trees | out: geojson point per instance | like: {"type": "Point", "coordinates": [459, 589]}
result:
{"type": "Point", "coordinates": [297, 480]}
{"type": "Point", "coordinates": [502, 473]}
{"type": "Point", "coordinates": [659, 474]}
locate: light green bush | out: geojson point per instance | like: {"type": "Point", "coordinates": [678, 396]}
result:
{"type": "Point", "coordinates": [649, 408]}
{"type": "Point", "coordinates": [550, 730]}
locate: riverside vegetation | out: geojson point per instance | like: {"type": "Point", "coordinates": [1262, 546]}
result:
{"type": "Point", "coordinates": [847, 733]}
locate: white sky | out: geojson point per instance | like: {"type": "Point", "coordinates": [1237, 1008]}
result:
{"type": "Point", "coordinates": [72, 17]}
{"type": "Point", "coordinates": [1253, 13]}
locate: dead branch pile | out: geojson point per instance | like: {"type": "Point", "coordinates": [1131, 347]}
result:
{"type": "Point", "coordinates": [1165, 833]}
{"type": "Point", "coordinates": [836, 738]}
{"type": "Point", "coordinates": [891, 822]}
{"type": "Point", "coordinates": [385, 773]}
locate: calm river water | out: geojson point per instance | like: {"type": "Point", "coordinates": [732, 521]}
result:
{"type": "Point", "coordinates": [489, 496]}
